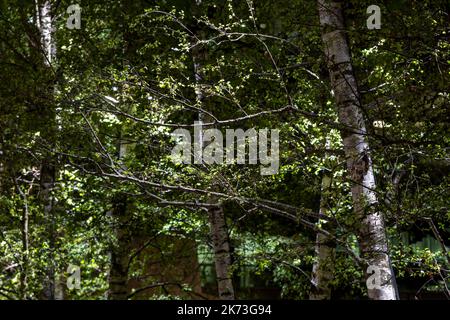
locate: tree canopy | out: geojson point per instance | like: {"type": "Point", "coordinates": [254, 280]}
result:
{"type": "Point", "coordinates": [94, 205]}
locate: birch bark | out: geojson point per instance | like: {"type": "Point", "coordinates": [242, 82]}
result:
{"type": "Point", "coordinates": [370, 222]}
{"type": "Point", "coordinates": [48, 166]}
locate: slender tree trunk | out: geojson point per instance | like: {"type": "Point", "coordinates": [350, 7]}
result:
{"type": "Point", "coordinates": [119, 254]}
{"type": "Point", "coordinates": [323, 268]}
{"type": "Point", "coordinates": [25, 250]}
{"type": "Point", "coordinates": [120, 250]}
{"type": "Point", "coordinates": [216, 215]}
{"type": "Point", "coordinates": [48, 166]}
{"type": "Point", "coordinates": [371, 229]}
{"type": "Point", "coordinates": [47, 183]}
{"type": "Point", "coordinates": [23, 288]}
{"type": "Point", "coordinates": [222, 256]}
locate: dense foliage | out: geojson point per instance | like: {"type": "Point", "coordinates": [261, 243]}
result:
{"type": "Point", "coordinates": [102, 113]}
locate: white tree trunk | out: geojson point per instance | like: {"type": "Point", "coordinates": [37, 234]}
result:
{"type": "Point", "coordinates": [218, 227]}
{"type": "Point", "coordinates": [372, 237]}
{"type": "Point", "coordinates": [45, 26]}
{"type": "Point", "coordinates": [222, 256]}
{"type": "Point", "coordinates": [48, 167]}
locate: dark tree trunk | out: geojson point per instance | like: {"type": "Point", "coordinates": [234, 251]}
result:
{"type": "Point", "coordinates": [119, 254]}
{"type": "Point", "coordinates": [325, 249]}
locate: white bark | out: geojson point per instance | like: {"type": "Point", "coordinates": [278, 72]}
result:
{"type": "Point", "coordinates": [222, 257]}
{"type": "Point", "coordinates": [372, 237]}
{"type": "Point", "coordinates": [48, 169]}
{"type": "Point", "coordinates": [45, 26]}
